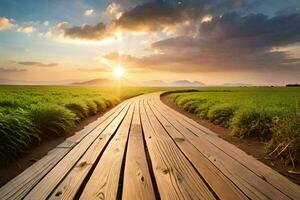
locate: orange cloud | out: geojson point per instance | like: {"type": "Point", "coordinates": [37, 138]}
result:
{"type": "Point", "coordinates": [5, 24]}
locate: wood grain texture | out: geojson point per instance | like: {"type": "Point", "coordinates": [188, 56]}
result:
{"type": "Point", "coordinates": [52, 179]}
{"type": "Point", "coordinates": [68, 188]}
{"type": "Point", "coordinates": [18, 187]}
{"type": "Point", "coordinates": [254, 186]}
{"type": "Point", "coordinates": [261, 170]}
{"type": "Point", "coordinates": [176, 178]}
{"type": "Point", "coordinates": [104, 181]}
{"type": "Point", "coordinates": [184, 160]}
{"type": "Point", "coordinates": [221, 185]}
{"type": "Point", "coordinates": [137, 181]}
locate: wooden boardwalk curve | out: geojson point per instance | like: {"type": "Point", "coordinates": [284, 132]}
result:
{"type": "Point", "coordinates": [142, 149]}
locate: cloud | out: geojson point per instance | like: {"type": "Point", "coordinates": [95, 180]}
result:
{"type": "Point", "coordinates": [131, 63]}
{"type": "Point", "coordinates": [173, 17]}
{"type": "Point", "coordinates": [168, 17]}
{"type": "Point", "coordinates": [147, 17]}
{"type": "Point", "coordinates": [5, 24]}
{"type": "Point", "coordinates": [38, 64]}
{"type": "Point", "coordinates": [253, 31]}
{"type": "Point", "coordinates": [228, 43]}
{"type": "Point", "coordinates": [89, 12]}
{"type": "Point", "coordinates": [11, 70]}
{"type": "Point", "coordinates": [47, 34]}
{"type": "Point", "coordinates": [96, 69]}
{"type": "Point", "coordinates": [114, 10]}
{"type": "Point", "coordinates": [159, 16]}
{"type": "Point", "coordinates": [46, 23]}
{"type": "Point", "coordinates": [86, 32]}
{"type": "Point", "coordinates": [130, 3]}
{"type": "Point", "coordinates": [28, 29]}
{"type": "Point", "coordinates": [61, 25]}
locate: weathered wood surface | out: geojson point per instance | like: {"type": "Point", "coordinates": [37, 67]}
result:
{"type": "Point", "coordinates": [142, 149]}
{"type": "Point", "coordinates": [137, 182]}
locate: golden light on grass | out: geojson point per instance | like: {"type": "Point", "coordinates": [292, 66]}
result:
{"type": "Point", "coordinates": [119, 71]}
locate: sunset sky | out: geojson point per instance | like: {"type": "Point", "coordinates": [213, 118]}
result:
{"type": "Point", "coordinates": [212, 41]}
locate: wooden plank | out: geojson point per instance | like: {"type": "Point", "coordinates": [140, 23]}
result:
{"type": "Point", "coordinates": [68, 188]}
{"type": "Point", "coordinates": [221, 185]}
{"type": "Point", "coordinates": [252, 185]}
{"type": "Point", "coordinates": [261, 170]}
{"type": "Point", "coordinates": [22, 184]}
{"type": "Point", "coordinates": [18, 187]}
{"type": "Point", "coordinates": [66, 144]}
{"type": "Point", "coordinates": [51, 180]}
{"type": "Point", "coordinates": [104, 181]}
{"type": "Point", "coordinates": [137, 181]}
{"type": "Point", "coordinates": [175, 176]}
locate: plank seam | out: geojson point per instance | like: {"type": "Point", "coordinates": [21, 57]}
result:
{"type": "Point", "coordinates": [89, 174]}
{"type": "Point", "coordinates": [207, 185]}
{"type": "Point", "coordinates": [83, 152]}
{"type": "Point", "coordinates": [122, 171]}
{"type": "Point", "coordinates": [149, 162]}
{"type": "Point", "coordinates": [259, 176]}
{"type": "Point", "coordinates": [203, 154]}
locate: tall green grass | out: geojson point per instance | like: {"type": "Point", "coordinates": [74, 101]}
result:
{"type": "Point", "coordinates": [270, 114]}
{"type": "Point", "coordinates": [52, 120]}
{"type": "Point", "coordinates": [17, 131]}
{"type": "Point", "coordinates": [29, 114]}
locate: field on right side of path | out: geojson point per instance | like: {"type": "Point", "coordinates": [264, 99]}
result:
{"type": "Point", "coordinates": [271, 114]}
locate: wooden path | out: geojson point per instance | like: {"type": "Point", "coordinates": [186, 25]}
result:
{"type": "Point", "coordinates": [143, 149]}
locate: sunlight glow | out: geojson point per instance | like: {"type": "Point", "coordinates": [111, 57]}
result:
{"type": "Point", "coordinates": [119, 71]}
{"type": "Point", "coordinates": [207, 18]}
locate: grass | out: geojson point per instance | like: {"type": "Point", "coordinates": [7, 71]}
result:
{"type": "Point", "coordinates": [270, 114]}
{"type": "Point", "coordinates": [29, 114]}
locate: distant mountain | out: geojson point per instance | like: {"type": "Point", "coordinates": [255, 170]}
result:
{"type": "Point", "coordinates": [179, 83]}
{"type": "Point", "coordinates": [186, 83]}
{"type": "Point", "coordinates": [106, 82]}
{"type": "Point", "coordinates": [102, 82]}
{"type": "Point", "coordinates": [237, 84]}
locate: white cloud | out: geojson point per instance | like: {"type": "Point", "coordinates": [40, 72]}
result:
{"type": "Point", "coordinates": [26, 29]}
{"type": "Point", "coordinates": [46, 23]}
{"type": "Point", "coordinates": [207, 18]}
{"type": "Point", "coordinates": [61, 25]}
{"type": "Point", "coordinates": [5, 24]}
{"type": "Point", "coordinates": [47, 34]}
{"type": "Point", "coordinates": [114, 10]}
{"type": "Point", "coordinates": [89, 12]}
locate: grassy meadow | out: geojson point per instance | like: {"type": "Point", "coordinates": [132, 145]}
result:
{"type": "Point", "coordinates": [270, 114]}
{"type": "Point", "coordinates": [29, 114]}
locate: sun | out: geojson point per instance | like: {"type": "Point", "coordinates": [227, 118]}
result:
{"type": "Point", "coordinates": [119, 71]}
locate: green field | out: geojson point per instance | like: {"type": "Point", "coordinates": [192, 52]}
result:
{"type": "Point", "coordinates": [29, 114]}
{"type": "Point", "coordinates": [271, 114]}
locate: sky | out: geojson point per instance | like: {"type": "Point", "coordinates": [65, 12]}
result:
{"type": "Point", "coordinates": [212, 41]}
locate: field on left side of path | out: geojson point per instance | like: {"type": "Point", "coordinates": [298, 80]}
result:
{"type": "Point", "coordinates": [29, 114]}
